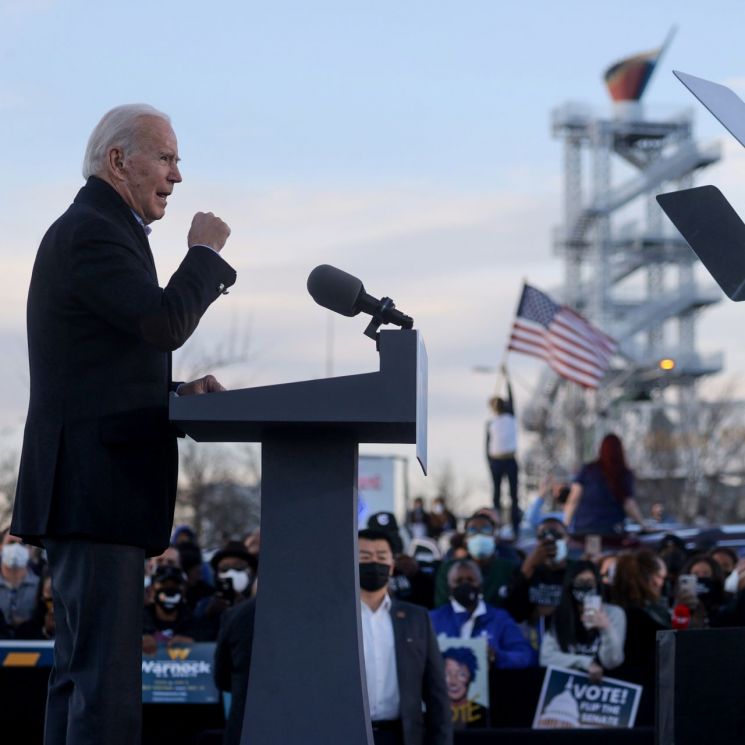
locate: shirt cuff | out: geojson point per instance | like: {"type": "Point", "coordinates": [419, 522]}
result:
{"type": "Point", "coordinates": [204, 245]}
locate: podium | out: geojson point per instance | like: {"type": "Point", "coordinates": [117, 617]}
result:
{"type": "Point", "coordinates": [307, 684]}
{"type": "Point", "coordinates": [700, 675]}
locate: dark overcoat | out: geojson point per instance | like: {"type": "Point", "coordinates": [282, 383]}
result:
{"type": "Point", "coordinates": [99, 458]}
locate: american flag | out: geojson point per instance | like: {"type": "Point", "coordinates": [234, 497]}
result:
{"type": "Point", "coordinates": [572, 346]}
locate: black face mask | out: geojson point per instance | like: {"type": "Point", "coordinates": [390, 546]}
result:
{"type": "Point", "coordinates": [374, 575]}
{"type": "Point", "coordinates": [466, 594]}
{"type": "Point", "coordinates": [709, 592]}
{"type": "Point", "coordinates": [581, 591]}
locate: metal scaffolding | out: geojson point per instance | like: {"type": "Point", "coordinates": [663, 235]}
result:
{"type": "Point", "coordinates": [630, 273]}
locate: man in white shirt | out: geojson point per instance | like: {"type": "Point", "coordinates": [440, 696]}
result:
{"type": "Point", "coordinates": [403, 664]}
{"type": "Point", "coordinates": [501, 447]}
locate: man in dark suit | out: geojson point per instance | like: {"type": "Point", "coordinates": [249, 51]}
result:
{"type": "Point", "coordinates": [97, 481]}
{"type": "Point", "coordinates": [403, 664]}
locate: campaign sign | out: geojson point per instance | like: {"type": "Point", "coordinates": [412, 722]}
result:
{"type": "Point", "coordinates": [376, 486]}
{"type": "Point", "coordinates": [26, 653]}
{"type": "Point", "coordinates": [467, 680]}
{"type": "Point", "coordinates": [569, 700]}
{"type": "Point", "coordinates": [180, 674]}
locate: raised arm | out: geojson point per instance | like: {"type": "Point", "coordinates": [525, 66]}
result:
{"type": "Point", "coordinates": [575, 495]}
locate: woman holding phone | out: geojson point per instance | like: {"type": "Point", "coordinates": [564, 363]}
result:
{"type": "Point", "coordinates": [585, 633]}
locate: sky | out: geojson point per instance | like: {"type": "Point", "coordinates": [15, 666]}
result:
{"type": "Point", "coordinates": [407, 143]}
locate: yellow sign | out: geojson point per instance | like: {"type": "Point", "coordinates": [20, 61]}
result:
{"type": "Point", "coordinates": [21, 659]}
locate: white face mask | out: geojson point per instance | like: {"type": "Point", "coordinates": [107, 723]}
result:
{"type": "Point", "coordinates": [732, 582]}
{"type": "Point", "coordinates": [238, 578]}
{"type": "Point", "coordinates": [15, 555]}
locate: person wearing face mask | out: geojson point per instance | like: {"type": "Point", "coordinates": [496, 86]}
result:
{"type": "Point", "coordinates": [18, 586]}
{"type": "Point", "coordinates": [583, 633]}
{"type": "Point", "coordinates": [467, 616]}
{"type": "Point", "coordinates": [441, 519]}
{"type": "Point", "coordinates": [703, 601]}
{"type": "Point", "coordinates": [403, 664]}
{"type": "Point", "coordinates": [672, 550]}
{"type": "Point", "coordinates": [234, 569]}
{"type": "Point", "coordinates": [167, 619]}
{"type": "Point", "coordinates": [726, 557]}
{"type": "Point", "coordinates": [496, 562]}
{"type": "Point", "coordinates": [535, 589]}
{"type": "Point", "coordinates": [732, 613]}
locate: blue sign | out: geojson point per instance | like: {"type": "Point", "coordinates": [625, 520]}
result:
{"type": "Point", "coordinates": [179, 674]}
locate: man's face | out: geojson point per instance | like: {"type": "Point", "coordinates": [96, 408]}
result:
{"type": "Point", "coordinates": [168, 594]}
{"type": "Point", "coordinates": [147, 175]}
{"type": "Point", "coordinates": [551, 530]}
{"type": "Point", "coordinates": [462, 575]}
{"type": "Point", "coordinates": [479, 525]}
{"type": "Point", "coordinates": [375, 551]}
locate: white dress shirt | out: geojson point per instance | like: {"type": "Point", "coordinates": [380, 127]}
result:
{"type": "Point", "coordinates": [380, 661]}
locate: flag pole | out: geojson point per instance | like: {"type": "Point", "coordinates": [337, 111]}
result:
{"type": "Point", "coordinates": [506, 352]}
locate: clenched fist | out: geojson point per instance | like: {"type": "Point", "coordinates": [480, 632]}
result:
{"type": "Point", "coordinates": [208, 230]}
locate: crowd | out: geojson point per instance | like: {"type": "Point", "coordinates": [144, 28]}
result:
{"type": "Point", "coordinates": [558, 600]}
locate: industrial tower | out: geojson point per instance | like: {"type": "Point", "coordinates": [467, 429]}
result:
{"type": "Point", "coordinates": [628, 271]}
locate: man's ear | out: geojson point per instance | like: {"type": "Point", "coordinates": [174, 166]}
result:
{"type": "Point", "coordinates": [115, 162]}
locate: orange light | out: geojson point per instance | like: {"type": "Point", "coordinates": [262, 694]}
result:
{"type": "Point", "coordinates": [667, 364]}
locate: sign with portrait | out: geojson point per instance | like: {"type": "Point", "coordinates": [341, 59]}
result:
{"type": "Point", "coordinates": [467, 680]}
{"type": "Point", "coordinates": [179, 674]}
{"type": "Point", "coordinates": [569, 700]}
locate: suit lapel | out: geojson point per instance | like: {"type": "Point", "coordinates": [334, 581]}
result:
{"type": "Point", "coordinates": [400, 624]}
{"type": "Point", "coordinates": [144, 243]}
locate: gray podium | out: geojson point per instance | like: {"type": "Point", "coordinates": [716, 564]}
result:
{"type": "Point", "coordinates": [307, 684]}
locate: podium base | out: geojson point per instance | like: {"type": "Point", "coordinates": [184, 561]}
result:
{"type": "Point", "coordinates": [306, 682]}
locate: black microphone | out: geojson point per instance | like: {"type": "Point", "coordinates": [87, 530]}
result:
{"type": "Point", "coordinates": [341, 292]}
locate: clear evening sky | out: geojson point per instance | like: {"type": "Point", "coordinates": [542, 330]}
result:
{"type": "Point", "coordinates": [406, 142]}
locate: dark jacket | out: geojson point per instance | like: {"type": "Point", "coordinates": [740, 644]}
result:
{"type": "Point", "coordinates": [421, 677]}
{"type": "Point", "coordinates": [99, 457]}
{"type": "Point", "coordinates": [233, 661]}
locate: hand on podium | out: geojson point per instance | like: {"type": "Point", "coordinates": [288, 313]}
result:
{"type": "Point", "coordinates": [207, 384]}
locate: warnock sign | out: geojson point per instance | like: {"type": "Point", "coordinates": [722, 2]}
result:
{"type": "Point", "coordinates": [179, 674]}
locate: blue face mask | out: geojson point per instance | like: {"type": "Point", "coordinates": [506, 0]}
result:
{"type": "Point", "coordinates": [561, 550]}
{"type": "Point", "coordinates": [481, 546]}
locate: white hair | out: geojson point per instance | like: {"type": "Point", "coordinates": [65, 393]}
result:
{"type": "Point", "coordinates": [117, 128]}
